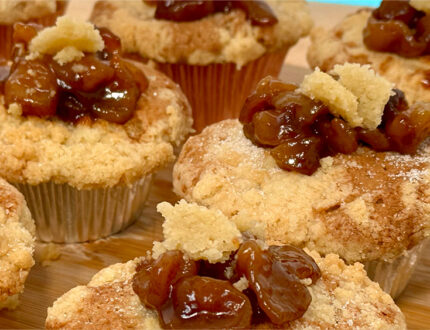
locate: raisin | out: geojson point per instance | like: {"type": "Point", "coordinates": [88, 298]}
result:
{"type": "Point", "coordinates": [257, 11]}
{"type": "Point", "coordinates": [395, 10]}
{"type": "Point", "coordinates": [374, 138]}
{"type": "Point", "coordinates": [392, 36]}
{"type": "Point", "coordinates": [298, 154]}
{"type": "Point", "coordinates": [4, 74]}
{"type": "Point", "coordinates": [279, 293]}
{"type": "Point", "coordinates": [219, 270]}
{"type": "Point", "coordinates": [402, 134]}
{"type": "Point", "coordinates": [203, 302]}
{"type": "Point", "coordinates": [271, 127]}
{"type": "Point", "coordinates": [419, 118]}
{"type": "Point", "coordinates": [154, 280]}
{"type": "Point", "coordinates": [24, 32]}
{"type": "Point", "coordinates": [183, 10]}
{"type": "Point", "coordinates": [296, 261]}
{"type": "Point", "coordinates": [117, 101]}
{"type": "Point", "coordinates": [261, 99]}
{"type": "Point", "coordinates": [85, 75]}
{"type": "Point", "coordinates": [70, 108]}
{"type": "Point", "coordinates": [111, 41]}
{"type": "Point", "coordinates": [33, 85]}
{"type": "Point", "coordinates": [340, 136]}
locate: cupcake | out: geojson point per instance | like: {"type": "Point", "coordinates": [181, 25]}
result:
{"type": "Point", "coordinates": [200, 277]}
{"type": "Point", "coordinates": [43, 12]}
{"type": "Point", "coordinates": [216, 50]}
{"type": "Point", "coordinates": [393, 39]}
{"type": "Point", "coordinates": [337, 165]}
{"type": "Point", "coordinates": [16, 244]}
{"type": "Point", "coordinates": [82, 130]}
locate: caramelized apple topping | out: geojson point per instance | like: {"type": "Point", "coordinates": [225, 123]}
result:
{"type": "Point", "coordinates": [299, 131]}
{"type": "Point", "coordinates": [187, 294]}
{"type": "Point", "coordinates": [397, 27]}
{"type": "Point", "coordinates": [98, 86]}
{"type": "Point", "coordinates": [257, 11]}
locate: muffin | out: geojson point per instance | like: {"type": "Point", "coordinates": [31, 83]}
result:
{"type": "Point", "coordinates": [216, 58]}
{"type": "Point", "coordinates": [353, 40]}
{"type": "Point", "coordinates": [82, 130]}
{"type": "Point", "coordinates": [117, 296]}
{"type": "Point", "coordinates": [16, 244]}
{"type": "Point", "coordinates": [303, 172]}
{"type": "Point", "coordinates": [42, 12]}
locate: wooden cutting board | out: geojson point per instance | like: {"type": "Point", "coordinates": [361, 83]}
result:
{"type": "Point", "coordinates": [77, 263]}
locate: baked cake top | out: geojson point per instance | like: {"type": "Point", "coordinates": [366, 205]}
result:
{"type": "Point", "coordinates": [218, 38]}
{"type": "Point", "coordinates": [364, 206]}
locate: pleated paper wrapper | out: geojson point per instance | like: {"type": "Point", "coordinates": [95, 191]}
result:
{"type": "Point", "coordinates": [64, 214]}
{"type": "Point", "coordinates": [218, 91]}
{"type": "Point", "coordinates": [394, 276]}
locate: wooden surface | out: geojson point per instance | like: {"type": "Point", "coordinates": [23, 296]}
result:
{"type": "Point", "coordinates": [77, 263]}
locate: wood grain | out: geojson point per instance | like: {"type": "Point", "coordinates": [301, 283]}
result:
{"type": "Point", "coordinates": [79, 262]}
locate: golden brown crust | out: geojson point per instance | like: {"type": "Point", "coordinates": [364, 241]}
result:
{"type": "Point", "coordinates": [34, 150]}
{"type": "Point", "coordinates": [344, 43]}
{"type": "Point", "coordinates": [216, 38]}
{"type": "Point", "coordinates": [363, 206]}
{"type": "Point", "coordinates": [16, 244]}
{"type": "Point", "coordinates": [344, 297]}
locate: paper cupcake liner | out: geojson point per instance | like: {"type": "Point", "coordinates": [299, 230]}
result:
{"type": "Point", "coordinates": [217, 91]}
{"type": "Point", "coordinates": [6, 30]}
{"type": "Point", "coordinates": [393, 277]}
{"type": "Point", "coordinates": [64, 214]}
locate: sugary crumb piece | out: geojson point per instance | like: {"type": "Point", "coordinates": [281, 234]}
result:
{"type": "Point", "coordinates": [15, 109]}
{"type": "Point", "coordinates": [10, 302]}
{"type": "Point", "coordinates": [67, 40]}
{"type": "Point", "coordinates": [421, 5]}
{"type": "Point", "coordinates": [242, 284]}
{"type": "Point", "coordinates": [306, 281]}
{"type": "Point", "coordinates": [321, 86]}
{"type": "Point", "coordinates": [48, 253]}
{"type": "Point", "coordinates": [371, 90]}
{"type": "Point", "coordinates": [199, 232]}
{"type": "Point", "coordinates": [68, 54]}
{"type": "Point", "coordinates": [358, 95]}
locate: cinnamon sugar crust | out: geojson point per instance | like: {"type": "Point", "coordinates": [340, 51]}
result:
{"type": "Point", "coordinates": [344, 43]}
{"type": "Point", "coordinates": [364, 206]}
{"type": "Point", "coordinates": [218, 38]}
{"type": "Point", "coordinates": [101, 154]}
{"type": "Point", "coordinates": [344, 297]}
{"type": "Point", "coordinates": [17, 234]}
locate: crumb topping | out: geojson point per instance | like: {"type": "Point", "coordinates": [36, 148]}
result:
{"type": "Point", "coordinates": [67, 40]}
{"type": "Point", "coordinates": [351, 91]}
{"type": "Point", "coordinates": [201, 233]}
